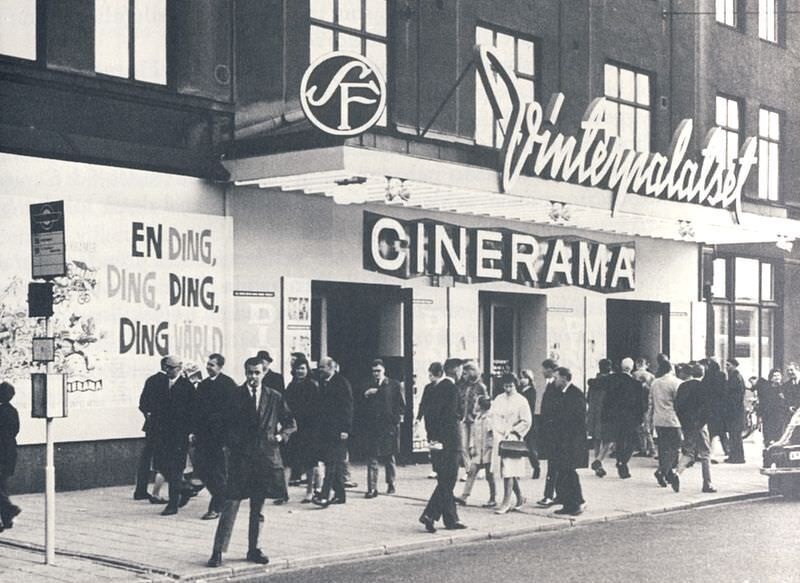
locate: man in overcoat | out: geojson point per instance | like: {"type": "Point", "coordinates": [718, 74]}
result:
{"type": "Point", "coordinates": [384, 404]}
{"type": "Point", "coordinates": [146, 405]}
{"type": "Point", "coordinates": [9, 428]}
{"type": "Point", "coordinates": [336, 400]}
{"type": "Point", "coordinates": [569, 442]}
{"type": "Point", "coordinates": [442, 420]}
{"type": "Point", "coordinates": [171, 404]}
{"type": "Point", "coordinates": [623, 409]}
{"type": "Point", "coordinates": [257, 423]}
{"type": "Point", "coordinates": [545, 436]}
{"type": "Point", "coordinates": [212, 401]}
{"type": "Point", "coordinates": [734, 411]}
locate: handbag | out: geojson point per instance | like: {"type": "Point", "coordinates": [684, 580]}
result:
{"type": "Point", "coordinates": [512, 448]}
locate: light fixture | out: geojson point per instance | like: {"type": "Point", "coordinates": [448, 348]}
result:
{"type": "Point", "coordinates": [559, 213]}
{"type": "Point", "coordinates": [685, 229]}
{"type": "Point", "coordinates": [396, 189]}
{"type": "Point", "coordinates": [785, 243]}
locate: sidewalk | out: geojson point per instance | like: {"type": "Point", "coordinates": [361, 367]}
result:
{"type": "Point", "coordinates": [105, 535]}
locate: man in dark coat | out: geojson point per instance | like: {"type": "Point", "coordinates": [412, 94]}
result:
{"type": "Point", "coordinates": [772, 406]}
{"type": "Point", "coordinates": [734, 412]}
{"type": "Point", "coordinates": [692, 404]}
{"type": "Point", "coordinates": [147, 403]}
{"type": "Point", "coordinates": [336, 400]}
{"type": "Point", "coordinates": [791, 389]}
{"type": "Point", "coordinates": [212, 401]}
{"type": "Point", "coordinates": [623, 409]}
{"type": "Point", "coordinates": [9, 428]}
{"type": "Point", "coordinates": [302, 397]}
{"type": "Point", "coordinates": [384, 404]}
{"type": "Point", "coordinates": [569, 442]}
{"type": "Point", "coordinates": [258, 422]}
{"type": "Point", "coordinates": [272, 379]}
{"type": "Point", "coordinates": [545, 435]}
{"type": "Point", "coordinates": [172, 406]}
{"type": "Point", "coordinates": [442, 419]}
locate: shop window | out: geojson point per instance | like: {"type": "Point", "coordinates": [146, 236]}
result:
{"type": "Point", "coordinates": [518, 55]}
{"type": "Point", "coordinates": [769, 141]}
{"type": "Point", "coordinates": [747, 280]}
{"type": "Point", "coordinates": [18, 28]}
{"type": "Point", "coordinates": [356, 26]}
{"type": "Point", "coordinates": [767, 283]}
{"type": "Point", "coordinates": [726, 12]}
{"type": "Point", "coordinates": [768, 20]}
{"type": "Point", "coordinates": [719, 287]}
{"type": "Point", "coordinates": [131, 39]}
{"type": "Point", "coordinates": [628, 114]}
{"type": "Point", "coordinates": [728, 118]}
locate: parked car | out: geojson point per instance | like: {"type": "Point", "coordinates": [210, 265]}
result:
{"type": "Point", "coordinates": [782, 461]}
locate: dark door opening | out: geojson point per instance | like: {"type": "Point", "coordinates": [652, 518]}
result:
{"type": "Point", "coordinates": [636, 329]}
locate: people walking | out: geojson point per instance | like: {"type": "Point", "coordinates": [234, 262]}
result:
{"type": "Point", "coordinates": [647, 447]}
{"type": "Point", "coordinates": [383, 408]}
{"type": "Point", "coordinates": [791, 388]}
{"type": "Point", "coordinates": [303, 400]}
{"type": "Point", "coordinates": [9, 428]}
{"type": "Point", "coordinates": [511, 421]}
{"type": "Point", "coordinates": [546, 433]}
{"type": "Point", "coordinates": [435, 374]}
{"type": "Point", "coordinates": [272, 379]}
{"type": "Point", "coordinates": [602, 438]}
{"type": "Point", "coordinates": [470, 389]}
{"type": "Point", "coordinates": [336, 403]}
{"type": "Point", "coordinates": [257, 423]}
{"type": "Point", "coordinates": [623, 410]}
{"type": "Point", "coordinates": [528, 390]}
{"type": "Point", "coordinates": [442, 418]}
{"type": "Point", "coordinates": [211, 404]}
{"type": "Point", "coordinates": [480, 451]}
{"type": "Point", "coordinates": [171, 406]}
{"type": "Point", "coordinates": [668, 426]}
{"type": "Point", "coordinates": [714, 380]}
{"type": "Point", "coordinates": [691, 406]}
{"type": "Point", "coordinates": [569, 442]}
{"type": "Point", "coordinates": [145, 464]}
{"type": "Point", "coordinates": [734, 408]}
{"type": "Point", "coordinates": [772, 405]}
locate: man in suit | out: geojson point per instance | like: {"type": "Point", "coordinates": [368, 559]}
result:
{"type": "Point", "coordinates": [545, 435]}
{"type": "Point", "coordinates": [569, 442]}
{"type": "Point", "coordinates": [146, 405]}
{"type": "Point", "coordinates": [384, 404]}
{"type": "Point", "coordinates": [9, 428]}
{"type": "Point", "coordinates": [212, 401]}
{"type": "Point", "coordinates": [734, 420]}
{"type": "Point", "coordinates": [442, 419]}
{"type": "Point", "coordinates": [171, 407]}
{"type": "Point", "coordinates": [336, 401]}
{"type": "Point", "coordinates": [623, 409]}
{"type": "Point", "coordinates": [257, 423]}
{"type": "Point", "coordinates": [272, 379]}
{"type": "Point", "coordinates": [692, 405]}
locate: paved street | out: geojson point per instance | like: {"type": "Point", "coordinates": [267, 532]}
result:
{"type": "Point", "coordinates": [752, 541]}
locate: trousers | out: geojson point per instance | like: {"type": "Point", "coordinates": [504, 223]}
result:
{"type": "Point", "coordinates": [335, 464]}
{"type": "Point", "coordinates": [442, 503]}
{"type": "Point", "coordinates": [625, 442]}
{"type": "Point", "coordinates": [568, 486]}
{"type": "Point", "coordinates": [551, 480]}
{"type": "Point", "coordinates": [669, 443]}
{"type": "Point", "coordinates": [143, 466]}
{"type": "Point", "coordinates": [473, 473]}
{"type": "Point", "coordinates": [6, 507]}
{"type": "Point", "coordinates": [390, 468]}
{"type": "Point", "coordinates": [230, 508]}
{"type": "Point", "coordinates": [214, 473]}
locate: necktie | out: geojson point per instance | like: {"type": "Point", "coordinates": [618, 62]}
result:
{"type": "Point", "coordinates": [255, 401]}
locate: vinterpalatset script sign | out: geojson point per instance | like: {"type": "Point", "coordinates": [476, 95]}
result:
{"type": "Point", "coordinates": [140, 284]}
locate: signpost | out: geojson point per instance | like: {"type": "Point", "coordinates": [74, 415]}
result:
{"type": "Point", "coordinates": [48, 395]}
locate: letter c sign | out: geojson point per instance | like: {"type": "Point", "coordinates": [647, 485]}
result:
{"type": "Point", "coordinates": [343, 94]}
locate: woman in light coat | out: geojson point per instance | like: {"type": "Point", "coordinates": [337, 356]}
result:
{"type": "Point", "coordinates": [511, 421]}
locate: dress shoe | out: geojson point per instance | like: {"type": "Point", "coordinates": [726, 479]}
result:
{"type": "Point", "coordinates": [597, 466]}
{"type": "Point", "coordinates": [545, 502]}
{"type": "Point", "coordinates": [280, 501]}
{"type": "Point", "coordinates": [169, 511]}
{"type": "Point", "coordinates": [141, 496]}
{"type": "Point", "coordinates": [184, 499]}
{"type": "Point", "coordinates": [337, 501]}
{"type": "Point", "coordinates": [428, 522]}
{"type": "Point", "coordinates": [456, 526]}
{"type": "Point", "coordinates": [306, 500]}
{"type": "Point", "coordinates": [660, 478]}
{"type": "Point", "coordinates": [8, 517]}
{"type": "Point", "coordinates": [489, 504]}
{"type": "Point", "coordinates": [210, 515]}
{"type": "Point", "coordinates": [537, 471]}
{"type": "Point", "coordinates": [460, 501]}
{"type": "Point", "coordinates": [256, 556]}
{"type": "Point", "coordinates": [675, 482]}
{"type": "Point", "coordinates": [709, 488]}
{"type": "Point", "coordinates": [390, 489]}
{"type": "Point", "coordinates": [569, 511]}
{"type": "Point", "coordinates": [158, 500]}
{"type": "Point", "coordinates": [623, 471]}
{"type": "Point", "coordinates": [321, 502]}
{"type": "Point", "coordinates": [351, 485]}
{"type": "Point", "coordinates": [215, 560]}
{"type": "Point", "coordinates": [371, 494]}
{"type": "Point", "coordinates": [734, 461]}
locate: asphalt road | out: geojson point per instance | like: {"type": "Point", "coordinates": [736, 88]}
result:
{"type": "Point", "coordinates": [757, 541]}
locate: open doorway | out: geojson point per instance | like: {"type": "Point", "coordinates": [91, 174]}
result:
{"type": "Point", "coordinates": [636, 329]}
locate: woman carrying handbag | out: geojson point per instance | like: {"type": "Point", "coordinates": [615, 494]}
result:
{"type": "Point", "coordinates": [511, 421]}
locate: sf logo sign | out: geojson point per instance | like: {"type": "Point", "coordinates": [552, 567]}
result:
{"type": "Point", "coordinates": [343, 94]}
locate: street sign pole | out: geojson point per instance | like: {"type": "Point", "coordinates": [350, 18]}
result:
{"type": "Point", "coordinates": [50, 482]}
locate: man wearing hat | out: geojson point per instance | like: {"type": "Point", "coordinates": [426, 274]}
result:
{"type": "Point", "coordinates": [272, 379]}
{"type": "Point", "coordinates": [170, 403]}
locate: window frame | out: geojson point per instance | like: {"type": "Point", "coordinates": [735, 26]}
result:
{"type": "Point", "coordinates": [39, 40]}
{"type": "Point", "coordinates": [650, 108]}
{"type": "Point", "coordinates": [781, 117]}
{"type": "Point", "coordinates": [777, 7]}
{"type": "Point", "coordinates": [498, 136]}
{"type": "Point", "coordinates": [735, 12]}
{"type": "Point", "coordinates": [740, 133]}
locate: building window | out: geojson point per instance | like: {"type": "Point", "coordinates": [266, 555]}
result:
{"type": "Point", "coordinates": [726, 12]}
{"type": "Point", "coordinates": [18, 28]}
{"type": "Point", "coordinates": [769, 141]}
{"type": "Point", "coordinates": [356, 26]}
{"type": "Point", "coordinates": [628, 114]}
{"type": "Point", "coordinates": [131, 39]}
{"type": "Point", "coordinates": [744, 313]}
{"type": "Point", "coordinates": [768, 20]}
{"type": "Point", "coordinates": [518, 55]}
{"type": "Point", "coordinates": [728, 117]}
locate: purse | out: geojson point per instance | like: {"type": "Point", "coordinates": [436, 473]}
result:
{"type": "Point", "coordinates": [513, 448]}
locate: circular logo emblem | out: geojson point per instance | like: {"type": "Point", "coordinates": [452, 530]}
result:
{"type": "Point", "coordinates": [343, 94]}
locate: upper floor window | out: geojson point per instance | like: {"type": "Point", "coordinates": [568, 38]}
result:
{"type": "Point", "coordinates": [726, 12]}
{"type": "Point", "coordinates": [768, 20]}
{"type": "Point", "coordinates": [518, 55]}
{"type": "Point", "coordinates": [357, 26]}
{"type": "Point", "coordinates": [769, 141]}
{"type": "Point", "coordinates": [131, 39]}
{"type": "Point", "coordinates": [18, 28]}
{"type": "Point", "coordinates": [728, 117]}
{"type": "Point", "coordinates": [628, 113]}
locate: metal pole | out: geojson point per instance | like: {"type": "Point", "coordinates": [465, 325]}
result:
{"type": "Point", "coordinates": [50, 485]}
